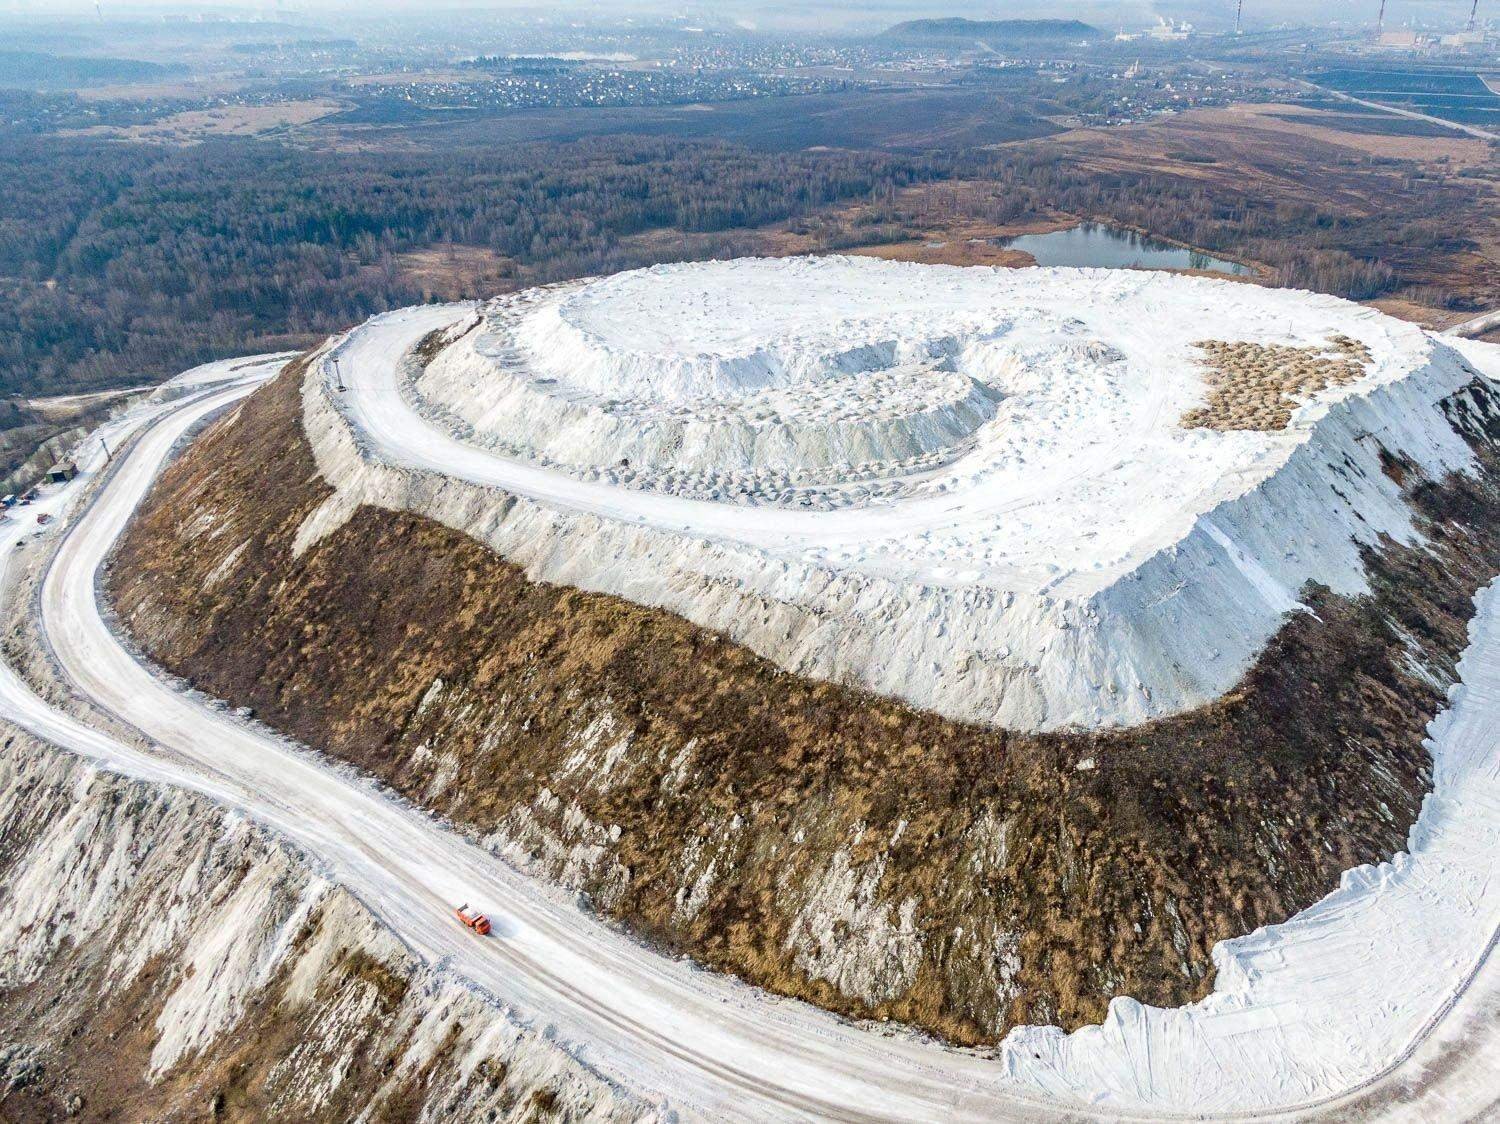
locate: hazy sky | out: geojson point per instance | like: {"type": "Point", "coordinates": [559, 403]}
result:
{"type": "Point", "coordinates": [771, 12]}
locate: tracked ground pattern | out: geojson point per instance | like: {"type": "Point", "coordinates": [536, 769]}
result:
{"type": "Point", "coordinates": [990, 493]}
{"type": "Point", "coordinates": [806, 422]}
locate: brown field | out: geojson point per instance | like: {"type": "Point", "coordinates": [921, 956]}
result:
{"type": "Point", "coordinates": [192, 126]}
{"type": "Point", "coordinates": [945, 234]}
{"type": "Point", "coordinates": [959, 248]}
{"type": "Point", "coordinates": [1324, 125]}
{"type": "Point", "coordinates": [459, 272]}
{"type": "Point", "coordinates": [1435, 318]}
{"type": "Point", "coordinates": [1251, 146]}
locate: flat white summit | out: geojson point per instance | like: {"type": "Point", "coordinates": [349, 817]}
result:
{"type": "Point", "coordinates": [1026, 497]}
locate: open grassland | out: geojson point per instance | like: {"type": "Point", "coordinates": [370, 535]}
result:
{"type": "Point", "coordinates": [194, 126]}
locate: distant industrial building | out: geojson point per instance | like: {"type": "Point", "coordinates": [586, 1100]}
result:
{"type": "Point", "coordinates": [1171, 31]}
{"type": "Point", "coordinates": [1403, 40]}
{"type": "Point", "coordinates": [1465, 39]}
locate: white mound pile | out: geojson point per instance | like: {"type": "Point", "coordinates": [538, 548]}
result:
{"type": "Point", "coordinates": [718, 399]}
{"type": "Point", "coordinates": [965, 487]}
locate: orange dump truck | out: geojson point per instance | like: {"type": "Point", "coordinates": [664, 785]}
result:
{"type": "Point", "coordinates": [476, 920]}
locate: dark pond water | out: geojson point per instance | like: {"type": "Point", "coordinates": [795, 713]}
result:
{"type": "Point", "coordinates": [1093, 243]}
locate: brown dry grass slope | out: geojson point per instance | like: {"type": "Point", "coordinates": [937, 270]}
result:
{"type": "Point", "coordinates": [813, 839]}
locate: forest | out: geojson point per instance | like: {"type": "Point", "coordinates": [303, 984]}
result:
{"type": "Point", "coordinates": [33, 68]}
{"type": "Point", "coordinates": [124, 263]}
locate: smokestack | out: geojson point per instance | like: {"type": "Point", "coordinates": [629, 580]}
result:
{"type": "Point", "coordinates": [1239, 10]}
{"type": "Point", "coordinates": [1473, 12]}
{"type": "Point", "coordinates": [1380, 23]}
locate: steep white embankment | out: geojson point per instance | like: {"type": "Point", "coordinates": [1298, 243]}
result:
{"type": "Point", "coordinates": [1320, 1003]}
{"type": "Point", "coordinates": [1078, 558]}
{"type": "Point", "coordinates": [124, 894]}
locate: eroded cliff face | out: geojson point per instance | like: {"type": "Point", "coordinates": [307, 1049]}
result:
{"type": "Point", "coordinates": [816, 840]}
{"type": "Point", "coordinates": [162, 959]}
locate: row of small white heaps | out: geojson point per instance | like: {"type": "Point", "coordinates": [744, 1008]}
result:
{"type": "Point", "coordinates": [969, 488]}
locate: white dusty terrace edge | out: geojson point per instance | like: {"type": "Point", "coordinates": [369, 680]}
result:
{"type": "Point", "coordinates": [1171, 623]}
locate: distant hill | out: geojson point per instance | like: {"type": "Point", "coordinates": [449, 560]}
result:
{"type": "Point", "coordinates": [957, 30]}
{"type": "Point", "coordinates": [34, 69]}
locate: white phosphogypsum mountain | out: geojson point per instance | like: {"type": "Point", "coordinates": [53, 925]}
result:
{"type": "Point", "coordinates": [1002, 495]}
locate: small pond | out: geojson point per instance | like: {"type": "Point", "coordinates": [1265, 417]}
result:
{"type": "Point", "coordinates": [1093, 243]}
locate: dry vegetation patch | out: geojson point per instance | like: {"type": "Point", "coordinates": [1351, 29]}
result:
{"type": "Point", "coordinates": [1258, 385]}
{"type": "Point", "coordinates": [197, 125]}
{"type": "Point", "coordinates": [1346, 130]}
{"type": "Point", "coordinates": [452, 271]}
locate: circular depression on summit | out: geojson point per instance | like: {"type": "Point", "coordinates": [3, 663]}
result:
{"type": "Point", "coordinates": [951, 424]}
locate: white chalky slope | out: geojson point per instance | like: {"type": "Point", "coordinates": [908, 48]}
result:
{"type": "Point", "coordinates": [968, 488]}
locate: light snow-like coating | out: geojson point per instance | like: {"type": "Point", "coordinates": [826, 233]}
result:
{"type": "Point", "coordinates": [1306, 1011]}
{"type": "Point", "coordinates": [968, 488]}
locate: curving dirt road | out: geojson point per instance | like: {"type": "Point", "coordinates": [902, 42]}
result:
{"type": "Point", "coordinates": [649, 1022]}
{"type": "Point", "coordinates": [708, 1046]}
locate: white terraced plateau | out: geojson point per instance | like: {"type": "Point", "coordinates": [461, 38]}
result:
{"type": "Point", "coordinates": [968, 488]}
